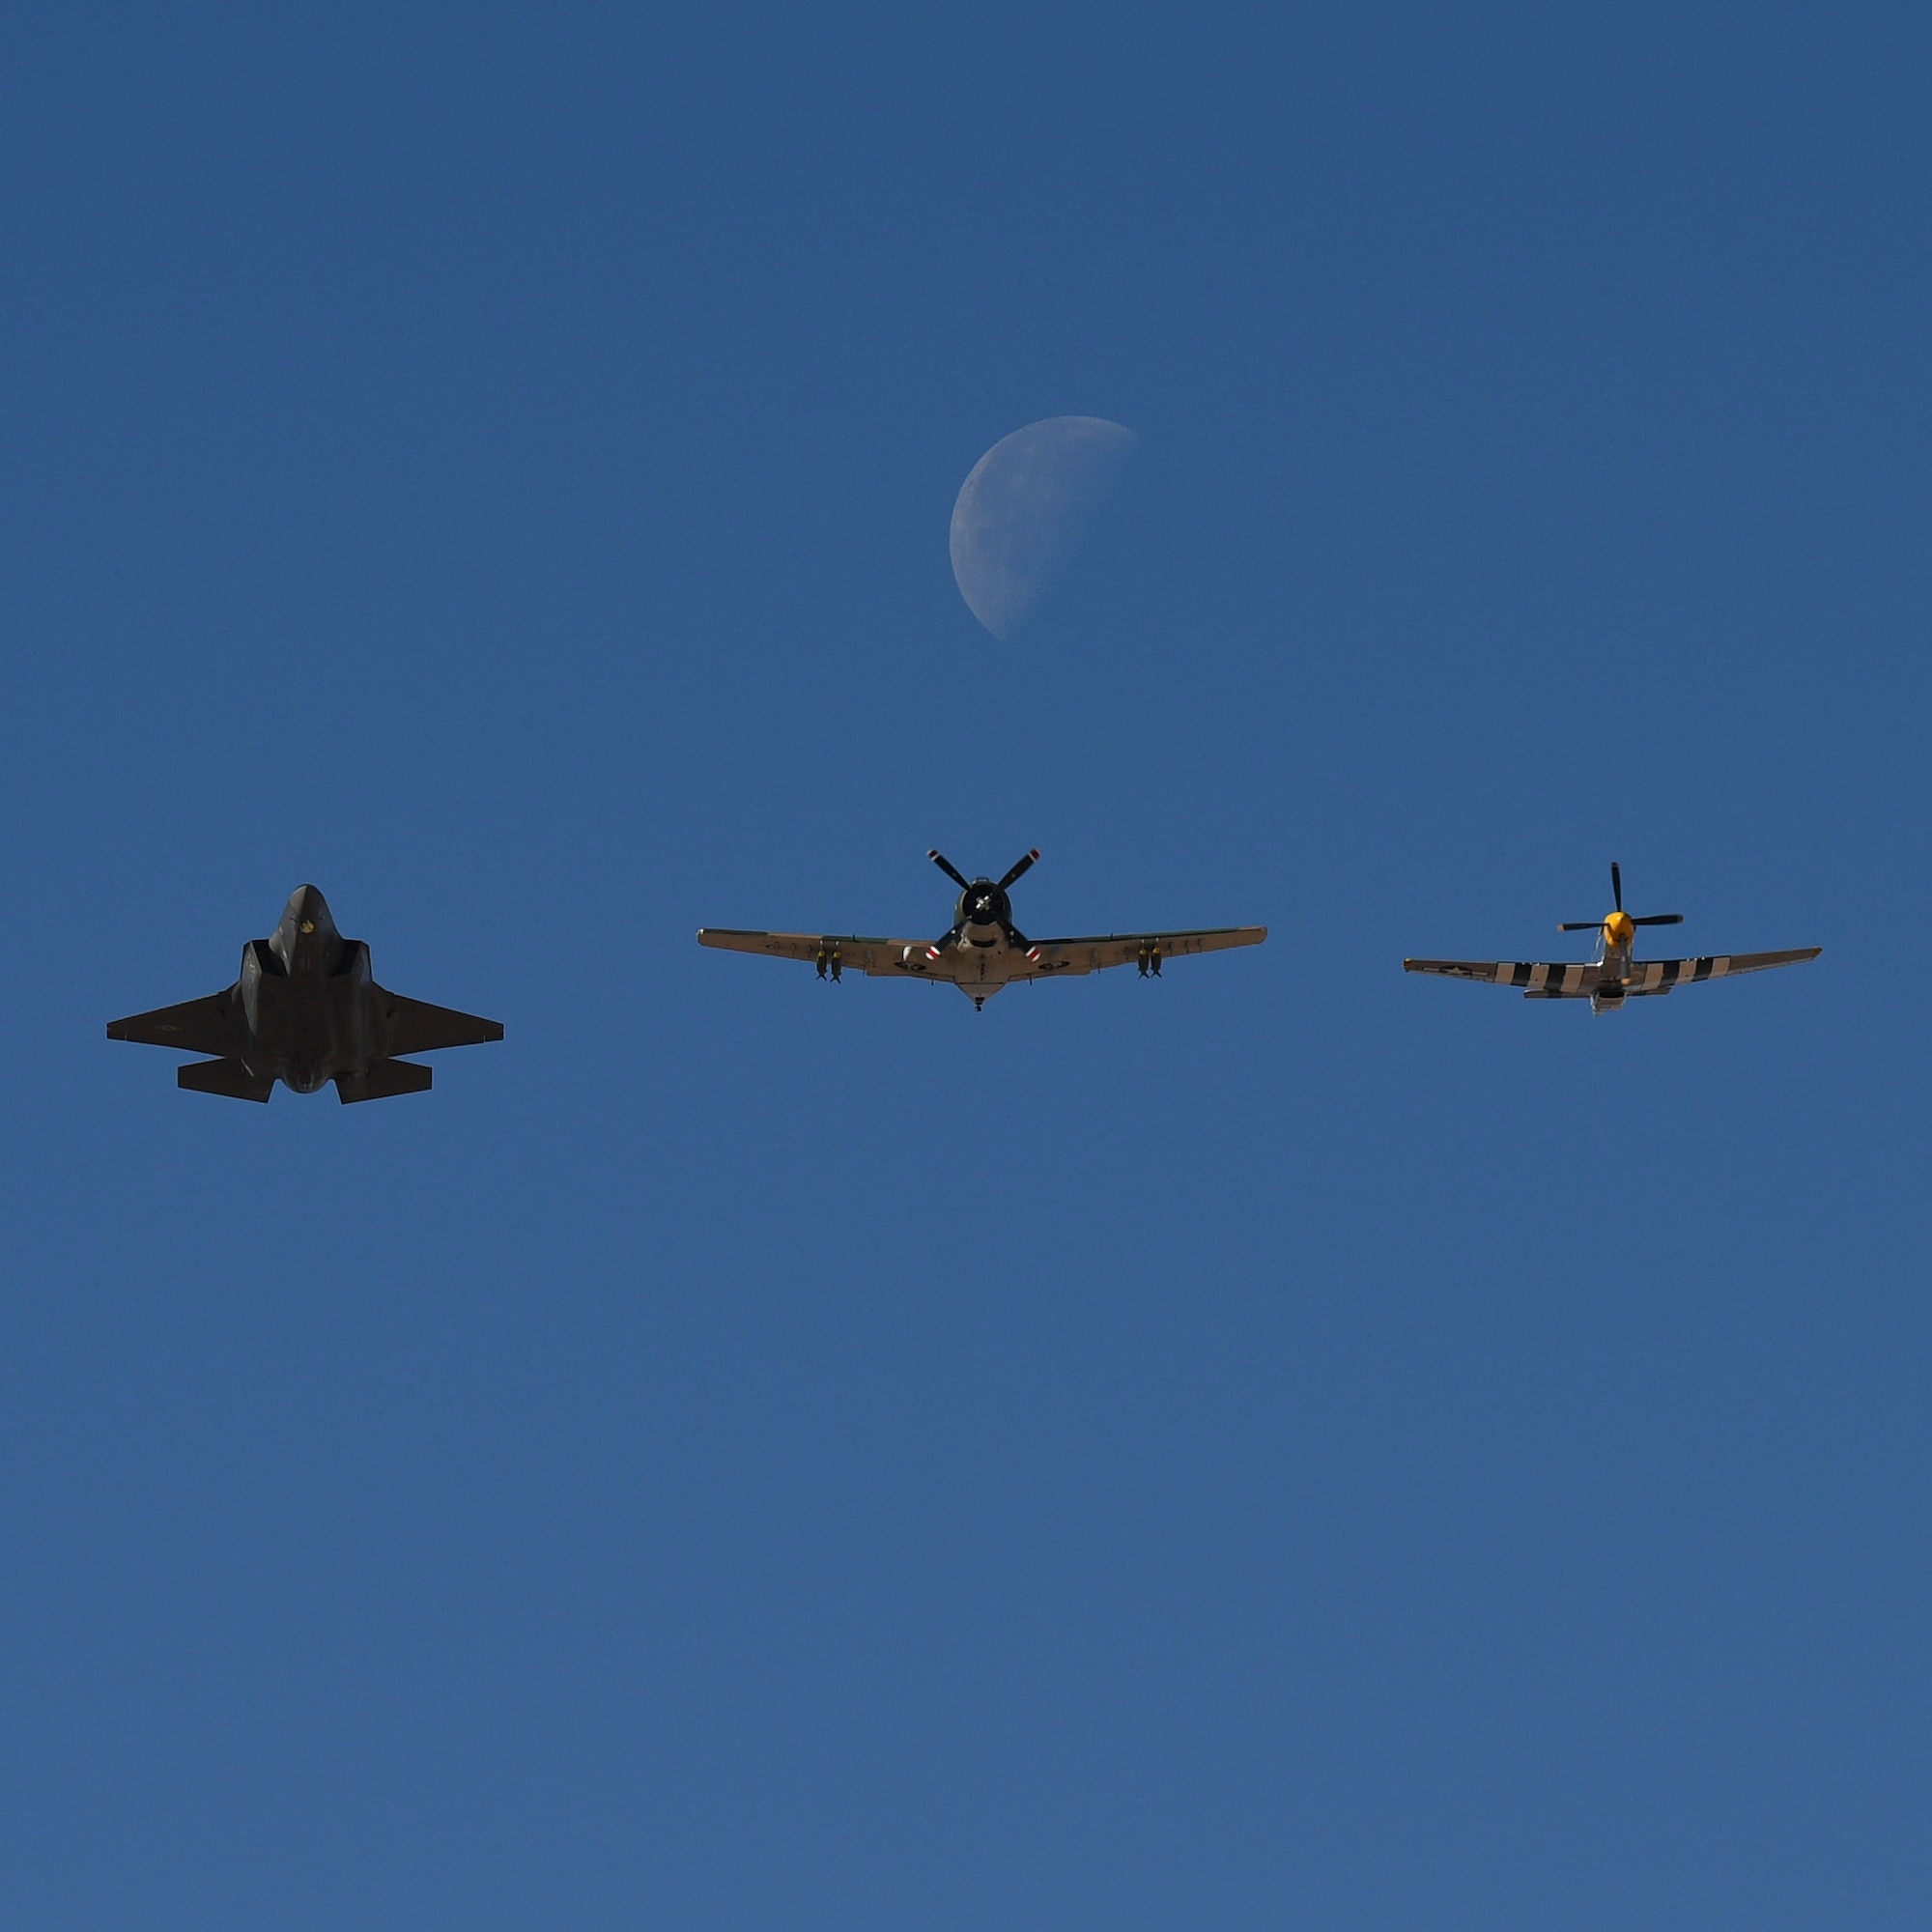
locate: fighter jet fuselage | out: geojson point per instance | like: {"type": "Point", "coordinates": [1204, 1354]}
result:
{"type": "Point", "coordinates": [308, 1008]}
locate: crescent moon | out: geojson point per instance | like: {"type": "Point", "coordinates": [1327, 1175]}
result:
{"type": "Point", "coordinates": [1023, 507]}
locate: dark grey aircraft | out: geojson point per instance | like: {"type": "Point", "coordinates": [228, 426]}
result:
{"type": "Point", "coordinates": [306, 1011]}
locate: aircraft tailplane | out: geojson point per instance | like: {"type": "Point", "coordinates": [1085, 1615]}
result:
{"type": "Point", "coordinates": [382, 1080]}
{"type": "Point", "coordinates": [232, 1077]}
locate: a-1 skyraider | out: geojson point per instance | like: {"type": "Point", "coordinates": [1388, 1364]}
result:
{"type": "Point", "coordinates": [305, 1010]}
{"type": "Point", "coordinates": [983, 950]}
{"type": "Point", "coordinates": [1614, 974]}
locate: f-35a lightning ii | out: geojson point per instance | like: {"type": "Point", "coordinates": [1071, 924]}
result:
{"type": "Point", "coordinates": [305, 1010]}
{"type": "Point", "coordinates": [984, 951]}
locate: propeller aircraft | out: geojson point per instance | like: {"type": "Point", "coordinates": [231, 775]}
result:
{"type": "Point", "coordinates": [983, 950]}
{"type": "Point", "coordinates": [1613, 973]}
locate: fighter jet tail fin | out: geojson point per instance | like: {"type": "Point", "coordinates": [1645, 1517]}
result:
{"type": "Point", "coordinates": [381, 1080]}
{"type": "Point", "coordinates": [231, 1077]}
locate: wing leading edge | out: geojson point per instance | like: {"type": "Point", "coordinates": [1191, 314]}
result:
{"type": "Point", "coordinates": [417, 1027]}
{"type": "Point", "coordinates": [1659, 975]}
{"type": "Point", "coordinates": [822, 949]}
{"type": "Point", "coordinates": [1044, 958]}
{"type": "Point", "coordinates": [1565, 980]}
{"type": "Point", "coordinates": [212, 1024]}
{"type": "Point", "coordinates": [1128, 948]}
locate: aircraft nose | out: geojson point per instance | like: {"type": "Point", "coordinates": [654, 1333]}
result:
{"type": "Point", "coordinates": [308, 909]}
{"type": "Point", "coordinates": [305, 937]}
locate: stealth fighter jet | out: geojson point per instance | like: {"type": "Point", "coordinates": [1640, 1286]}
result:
{"type": "Point", "coordinates": [984, 950]}
{"type": "Point", "coordinates": [305, 1010]}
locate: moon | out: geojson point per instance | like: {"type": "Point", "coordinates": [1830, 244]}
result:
{"type": "Point", "coordinates": [1023, 510]}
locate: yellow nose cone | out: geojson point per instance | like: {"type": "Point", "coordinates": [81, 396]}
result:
{"type": "Point", "coordinates": [1620, 928]}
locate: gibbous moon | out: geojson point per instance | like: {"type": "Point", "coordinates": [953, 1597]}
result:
{"type": "Point", "coordinates": [1022, 512]}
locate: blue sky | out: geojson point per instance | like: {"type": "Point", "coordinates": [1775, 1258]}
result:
{"type": "Point", "coordinates": [1291, 1445]}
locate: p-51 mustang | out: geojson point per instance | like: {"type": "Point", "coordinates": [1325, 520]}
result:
{"type": "Point", "coordinates": [984, 951]}
{"type": "Point", "coordinates": [1615, 973]}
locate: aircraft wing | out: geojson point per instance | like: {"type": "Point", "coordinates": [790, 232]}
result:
{"type": "Point", "coordinates": [213, 1025]}
{"type": "Point", "coordinates": [1540, 979]}
{"type": "Point", "coordinates": [825, 949]}
{"type": "Point", "coordinates": [1569, 981]}
{"type": "Point", "coordinates": [1659, 975]}
{"type": "Point", "coordinates": [1054, 956]}
{"type": "Point", "coordinates": [417, 1027]}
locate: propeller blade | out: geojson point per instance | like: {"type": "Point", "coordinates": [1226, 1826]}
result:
{"type": "Point", "coordinates": [1019, 867]}
{"type": "Point", "coordinates": [950, 870]}
{"type": "Point", "coordinates": [1579, 926]}
{"type": "Point", "coordinates": [1659, 919]}
{"type": "Point", "coordinates": [1617, 884]}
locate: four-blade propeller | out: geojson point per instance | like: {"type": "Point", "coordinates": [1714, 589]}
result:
{"type": "Point", "coordinates": [981, 902]}
{"type": "Point", "coordinates": [1617, 893]}
{"type": "Point", "coordinates": [966, 884]}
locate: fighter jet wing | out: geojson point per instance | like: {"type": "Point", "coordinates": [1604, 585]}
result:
{"type": "Point", "coordinates": [1659, 975]}
{"type": "Point", "coordinates": [1540, 979]}
{"type": "Point", "coordinates": [417, 1027]}
{"type": "Point", "coordinates": [1128, 948]}
{"type": "Point", "coordinates": [828, 950]}
{"type": "Point", "coordinates": [213, 1024]}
